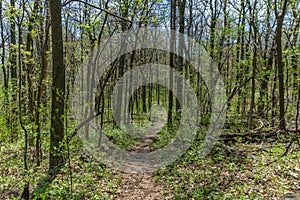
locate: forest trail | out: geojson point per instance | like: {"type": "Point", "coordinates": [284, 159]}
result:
{"type": "Point", "coordinates": [142, 185]}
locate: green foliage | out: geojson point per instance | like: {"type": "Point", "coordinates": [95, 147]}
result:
{"type": "Point", "coordinates": [227, 175]}
{"type": "Point", "coordinates": [121, 138]}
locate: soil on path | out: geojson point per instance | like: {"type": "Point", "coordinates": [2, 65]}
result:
{"type": "Point", "coordinates": [136, 186]}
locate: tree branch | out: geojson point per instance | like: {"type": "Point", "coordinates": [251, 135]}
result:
{"type": "Point", "coordinates": [97, 7]}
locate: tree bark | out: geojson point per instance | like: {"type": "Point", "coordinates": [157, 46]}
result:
{"type": "Point", "coordinates": [58, 90]}
{"type": "Point", "coordinates": [4, 70]}
{"type": "Point", "coordinates": [254, 64]}
{"type": "Point", "coordinates": [43, 75]}
{"type": "Point", "coordinates": [280, 65]}
{"type": "Point", "coordinates": [13, 42]}
{"type": "Point", "coordinates": [172, 45]}
{"type": "Point", "coordinates": [180, 53]}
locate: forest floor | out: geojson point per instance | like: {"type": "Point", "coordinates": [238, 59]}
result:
{"type": "Point", "coordinates": [238, 170]}
{"type": "Point", "coordinates": [241, 169]}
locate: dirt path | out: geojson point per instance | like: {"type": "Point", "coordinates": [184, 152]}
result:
{"type": "Point", "coordinates": [142, 185]}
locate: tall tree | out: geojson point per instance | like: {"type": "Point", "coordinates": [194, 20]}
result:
{"type": "Point", "coordinates": [58, 89]}
{"type": "Point", "coordinates": [13, 67]}
{"type": "Point", "coordinates": [241, 56]}
{"type": "Point", "coordinates": [181, 9]}
{"type": "Point", "coordinates": [3, 51]}
{"type": "Point", "coordinates": [172, 46]}
{"type": "Point", "coordinates": [295, 36]}
{"type": "Point", "coordinates": [268, 57]}
{"type": "Point", "coordinates": [13, 42]}
{"type": "Point", "coordinates": [45, 47]}
{"type": "Point", "coordinates": [280, 65]}
{"type": "Point", "coordinates": [122, 61]}
{"type": "Point", "coordinates": [254, 61]}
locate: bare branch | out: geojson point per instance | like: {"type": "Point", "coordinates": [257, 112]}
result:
{"type": "Point", "coordinates": [97, 7]}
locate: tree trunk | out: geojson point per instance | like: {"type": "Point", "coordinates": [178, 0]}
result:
{"type": "Point", "coordinates": [13, 42]}
{"type": "Point", "coordinates": [172, 45]}
{"type": "Point", "coordinates": [121, 66]}
{"type": "Point", "coordinates": [254, 64]}
{"type": "Point", "coordinates": [5, 77]}
{"type": "Point", "coordinates": [181, 5]}
{"type": "Point", "coordinates": [43, 75]}
{"type": "Point", "coordinates": [58, 90]}
{"type": "Point", "coordinates": [13, 68]}
{"type": "Point", "coordinates": [268, 62]}
{"type": "Point", "coordinates": [280, 65]}
{"type": "Point", "coordinates": [240, 54]}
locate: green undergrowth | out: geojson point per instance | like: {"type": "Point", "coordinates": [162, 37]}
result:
{"type": "Point", "coordinates": [238, 171]}
{"type": "Point", "coordinates": [232, 170]}
{"type": "Point", "coordinates": [85, 178]}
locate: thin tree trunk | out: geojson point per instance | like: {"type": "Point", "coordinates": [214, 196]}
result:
{"type": "Point", "coordinates": [121, 65]}
{"type": "Point", "coordinates": [268, 61]}
{"type": "Point", "coordinates": [172, 45]}
{"type": "Point", "coordinates": [274, 98]}
{"type": "Point", "coordinates": [241, 56]}
{"type": "Point", "coordinates": [181, 5]}
{"type": "Point", "coordinates": [294, 46]}
{"type": "Point", "coordinates": [5, 77]}
{"type": "Point", "coordinates": [25, 193]}
{"type": "Point", "coordinates": [41, 86]}
{"type": "Point", "coordinates": [254, 65]}
{"type": "Point", "coordinates": [13, 67]}
{"type": "Point", "coordinates": [13, 42]}
{"type": "Point", "coordinates": [279, 18]}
